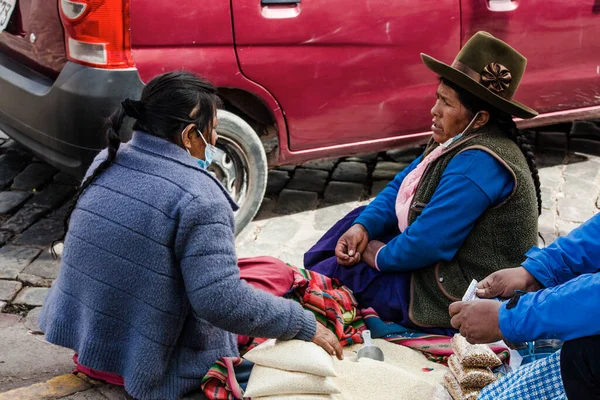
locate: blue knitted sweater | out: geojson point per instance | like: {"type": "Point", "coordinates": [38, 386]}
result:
{"type": "Point", "coordinates": [149, 286]}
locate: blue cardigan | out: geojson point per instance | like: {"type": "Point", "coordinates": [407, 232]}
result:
{"type": "Point", "coordinates": [149, 286]}
{"type": "Point", "coordinates": [472, 182]}
{"type": "Point", "coordinates": [569, 307]}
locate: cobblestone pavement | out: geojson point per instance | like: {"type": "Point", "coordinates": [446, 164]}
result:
{"type": "Point", "coordinates": [301, 203]}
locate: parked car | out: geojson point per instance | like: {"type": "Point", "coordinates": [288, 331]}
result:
{"type": "Point", "coordinates": [300, 79]}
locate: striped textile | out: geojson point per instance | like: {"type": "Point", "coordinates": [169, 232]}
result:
{"type": "Point", "coordinates": [436, 348]}
{"type": "Point", "coordinates": [329, 300]}
{"type": "Point", "coordinates": [326, 298]}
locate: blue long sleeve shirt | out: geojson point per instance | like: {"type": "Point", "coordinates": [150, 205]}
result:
{"type": "Point", "coordinates": [569, 306]}
{"type": "Point", "coordinates": [472, 182]}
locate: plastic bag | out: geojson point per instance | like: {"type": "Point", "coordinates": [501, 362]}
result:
{"type": "Point", "coordinates": [468, 376]}
{"type": "Point", "coordinates": [474, 355]}
{"type": "Point", "coordinates": [456, 391]}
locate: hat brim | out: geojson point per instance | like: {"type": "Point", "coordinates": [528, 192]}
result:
{"type": "Point", "coordinates": [466, 82]}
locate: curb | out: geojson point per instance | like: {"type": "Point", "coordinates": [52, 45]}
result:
{"type": "Point", "coordinates": [55, 388]}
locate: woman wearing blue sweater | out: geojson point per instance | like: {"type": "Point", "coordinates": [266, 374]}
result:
{"type": "Point", "coordinates": [467, 207]}
{"type": "Point", "coordinates": [149, 286]}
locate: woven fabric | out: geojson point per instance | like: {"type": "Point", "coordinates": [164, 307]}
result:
{"type": "Point", "coordinates": [436, 348]}
{"type": "Point", "coordinates": [326, 298]}
{"type": "Point", "coordinates": [539, 380]}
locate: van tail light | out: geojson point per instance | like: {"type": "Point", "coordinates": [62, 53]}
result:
{"type": "Point", "coordinates": [97, 32]}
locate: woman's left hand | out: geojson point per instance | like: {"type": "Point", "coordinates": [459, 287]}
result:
{"type": "Point", "coordinates": [370, 253]}
{"type": "Point", "coordinates": [477, 320]}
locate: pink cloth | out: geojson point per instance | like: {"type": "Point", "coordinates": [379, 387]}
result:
{"type": "Point", "coordinates": [107, 377]}
{"type": "Point", "coordinates": [409, 187]}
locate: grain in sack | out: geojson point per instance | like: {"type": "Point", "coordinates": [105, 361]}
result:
{"type": "Point", "coordinates": [474, 355]}
{"type": "Point", "coordinates": [265, 381]}
{"type": "Point", "coordinates": [468, 376]}
{"type": "Point", "coordinates": [292, 355]}
{"type": "Point", "coordinates": [456, 391]}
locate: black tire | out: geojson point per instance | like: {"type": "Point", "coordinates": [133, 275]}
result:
{"type": "Point", "coordinates": [246, 159]}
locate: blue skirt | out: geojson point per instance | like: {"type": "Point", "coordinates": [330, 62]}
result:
{"type": "Point", "coordinates": [387, 293]}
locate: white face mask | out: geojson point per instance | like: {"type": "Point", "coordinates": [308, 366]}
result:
{"type": "Point", "coordinates": [455, 138]}
{"type": "Point", "coordinates": [210, 152]}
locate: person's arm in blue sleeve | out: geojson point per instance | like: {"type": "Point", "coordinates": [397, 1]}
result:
{"type": "Point", "coordinates": [567, 311]}
{"type": "Point", "coordinates": [568, 256]}
{"type": "Point", "coordinates": [472, 182]}
{"type": "Point", "coordinates": [568, 308]}
{"type": "Point", "coordinates": [380, 214]}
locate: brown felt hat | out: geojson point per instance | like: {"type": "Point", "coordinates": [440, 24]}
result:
{"type": "Point", "coordinates": [489, 69]}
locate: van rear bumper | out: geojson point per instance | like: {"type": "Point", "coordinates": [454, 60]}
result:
{"type": "Point", "coordinates": [62, 121]}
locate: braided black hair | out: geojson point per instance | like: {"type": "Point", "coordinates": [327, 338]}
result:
{"type": "Point", "coordinates": [505, 122]}
{"type": "Point", "coordinates": [168, 104]}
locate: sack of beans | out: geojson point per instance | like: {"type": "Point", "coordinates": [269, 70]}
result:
{"type": "Point", "coordinates": [266, 381]}
{"type": "Point", "coordinates": [457, 391]}
{"type": "Point", "coordinates": [474, 355]}
{"type": "Point", "coordinates": [468, 376]}
{"type": "Point", "coordinates": [292, 355]}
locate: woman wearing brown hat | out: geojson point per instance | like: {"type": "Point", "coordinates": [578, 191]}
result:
{"type": "Point", "coordinates": [464, 209]}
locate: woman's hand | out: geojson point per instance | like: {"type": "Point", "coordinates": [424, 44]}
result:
{"type": "Point", "coordinates": [370, 254]}
{"type": "Point", "coordinates": [503, 283]}
{"type": "Point", "coordinates": [477, 320]}
{"type": "Point", "coordinates": [351, 245]}
{"type": "Point", "coordinates": [327, 340]}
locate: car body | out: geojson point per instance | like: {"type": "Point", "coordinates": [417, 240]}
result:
{"type": "Point", "coordinates": [300, 79]}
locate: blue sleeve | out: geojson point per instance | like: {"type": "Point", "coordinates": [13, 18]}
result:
{"type": "Point", "coordinates": [567, 311]}
{"type": "Point", "coordinates": [472, 182]}
{"type": "Point", "coordinates": [380, 215]}
{"type": "Point", "coordinates": [567, 257]}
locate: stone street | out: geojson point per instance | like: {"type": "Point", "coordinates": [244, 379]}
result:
{"type": "Point", "coordinates": [301, 203]}
{"type": "Point", "coordinates": [291, 220]}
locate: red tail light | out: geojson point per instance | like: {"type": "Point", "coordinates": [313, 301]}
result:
{"type": "Point", "coordinates": [97, 32]}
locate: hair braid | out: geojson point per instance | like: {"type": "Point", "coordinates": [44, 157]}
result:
{"type": "Point", "coordinates": [114, 123]}
{"type": "Point", "coordinates": [168, 104]}
{"type": "Point", "coordinates": [508, 125]}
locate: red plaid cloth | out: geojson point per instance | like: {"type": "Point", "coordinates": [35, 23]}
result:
{"type": "Point", "coordinates": [220, 383]}
{"type": "Point", "coordinates": [326, 298]}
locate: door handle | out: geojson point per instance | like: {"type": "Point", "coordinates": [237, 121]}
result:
{"type": "Point", "coordinates": [502, 5]}
{"type": "Point", "coordinates": [279, 2]}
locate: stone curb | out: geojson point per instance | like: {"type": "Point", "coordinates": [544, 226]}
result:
{"type": "Point", "coordinates": [55, 388]}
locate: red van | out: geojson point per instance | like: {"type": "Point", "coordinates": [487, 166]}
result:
{"type": "Point", "coordinates": [300, 79]}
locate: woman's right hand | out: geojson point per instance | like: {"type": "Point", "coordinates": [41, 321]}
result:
{"type": "Point", "coordinates": [351, 245]}
{"type": "Point", "coordinates": [328, 341]}
{"type": "Point", "coordinates": [503, 283]}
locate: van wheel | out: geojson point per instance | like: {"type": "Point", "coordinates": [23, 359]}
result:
{"type": "Point", "coordinates": [243, 171]}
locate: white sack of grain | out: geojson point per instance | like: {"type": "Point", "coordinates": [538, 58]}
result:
{"type": "Point", "coordinates": [265, 381]}
{"type": "Point", "coordinates": [292, 355]}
